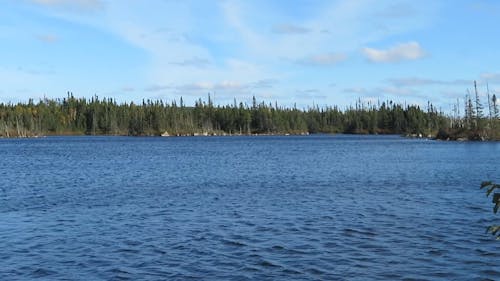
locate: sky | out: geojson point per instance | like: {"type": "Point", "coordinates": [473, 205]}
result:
{"type": "Point", "coordinates": [299, 52]}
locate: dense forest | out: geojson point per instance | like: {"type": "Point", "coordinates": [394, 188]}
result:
{"type": "Point", "coordinates": [95, 116]}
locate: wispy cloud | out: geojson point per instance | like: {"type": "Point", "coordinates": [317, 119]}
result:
{"type": "Point", "coordinates": [397, 10]}
{"type": "Point", "coordinates": [193, 62]}
{"type": "Point", "coordinates": [157, 88]}
{"type": "Point", "coordinates": [47, 38]}
{"type": "Point", "coordinates": [210, 86]}
{"type": "Point", "coordinates": [396, 91]}
{"type": "Point", "coordinates": [229, 85]}
{"type": "Point", "coordinates": [128, 89]}
{"type": "Point", "coordinates": [490, 77]}
{"type": "Point", "coordinates": [195, 47]}
{"type": "Point", "coordinates": [416, 81]}
{"type": "Point", "coordinates": [226, 88]}
{"type": "Point", "coordinates": [384, 92]}
{"type": "Point", "coordinates": [490, 8]}
{"type": "Point", "coordinates": [264, 83]}
{"type": "Point", "coordinates": [88, 5]}
{"type": "Point", "coordinates": [450, 94]}
{"type": "Point", "coordinates": [358, 90]}
{"type": "Point", "coordinates": [327, 59]}
{"type": "Point", "coordinates": [397, 53]}
{"type": "Point", "coordinates": [290, 29]}
{"type": "Point", "coordinates": [310, 95]}
{"type": "Point", "coordinates": [308, 91]}
{"type": "Point", "coordinates": [36, 70]}
{"type": "Point", "coordinates": [254, 51]}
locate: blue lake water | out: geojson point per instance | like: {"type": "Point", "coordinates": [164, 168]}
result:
{"type": "Point", "coordinates": [246, 208]}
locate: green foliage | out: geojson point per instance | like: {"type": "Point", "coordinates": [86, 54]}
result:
{"type": "Point", "coordinates": [490, 187]}
{"type": "Point", "coordinates": [97, 116]}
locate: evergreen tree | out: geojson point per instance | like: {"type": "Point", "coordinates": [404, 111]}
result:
{"type": "Point", "coordinates": [95, 116]}
{"type": "Point", "coordinates": [479, 109]}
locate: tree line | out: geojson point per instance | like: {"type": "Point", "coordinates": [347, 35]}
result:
{"type": "Point", "coordinates": [479, 121]}
{"type": "Point", "coordinates": [96, 116]}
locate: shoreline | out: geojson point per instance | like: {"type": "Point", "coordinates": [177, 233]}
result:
{"type": "Point", "coordinates": [214, 134]}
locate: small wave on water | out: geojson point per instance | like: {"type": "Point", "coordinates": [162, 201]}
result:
{"type": "Point", "coordinates": [282, 215]}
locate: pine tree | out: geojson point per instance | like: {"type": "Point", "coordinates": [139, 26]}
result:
{"type": "Point", "coordinates": [479, 109]}
{"type": "Point", "coordinates": [494, 105]}
{"type": "Point", "coordinates": [469, 112]}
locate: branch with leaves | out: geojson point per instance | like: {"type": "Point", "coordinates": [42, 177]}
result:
{"type": "Point", "coordinates": [490, 188]}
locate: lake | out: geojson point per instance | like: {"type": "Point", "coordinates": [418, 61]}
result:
{"type": "Point", "coordinates": [313, 207]}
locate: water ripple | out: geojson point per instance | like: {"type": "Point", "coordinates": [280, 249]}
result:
{"type": "Point", "coordinates": [311, 208]}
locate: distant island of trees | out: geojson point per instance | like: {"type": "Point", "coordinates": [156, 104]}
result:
{"type": "Point", "coordinates": [94, 116]}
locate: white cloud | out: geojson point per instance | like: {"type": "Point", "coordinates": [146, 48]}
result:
{"type": "Point", "coordinates": [47, 38]}
{"type": "Point", "coordinates": [397, 53]}
{"type": "Point", "coordinates": [290, 29]}
{"type": "Point", "coordinates": [450, 94]}
{"type": "Point", "coordinates": [89, 5]}
{"type": "Point", "coordinates": [225, 89]}
{"type": "Point", "coordinates": [344, 25]}
{"type": "Point", "coordinates": [397, 11]}
{"type": "Point", "coordinates": [193, 62]}
{"type": "Point", "coordinates": [15, 79]}
{"type": "Point", "coordinates": [231, 47]}
{"type": "Point", "coordinates": [370, 100]}
{"type": "Point", "coordinates": [198, 88]}
{"type": "Point", "coordinates": [157, 88]}
{"type": "Point", "coordinates": [128, 89]}
{"type": "Point", "coordinates": [488, 8]}
{"type": "Point", "coordinates": [358, 90]}
{"type": "Point", "coordinates": [416, 81]}
{"type": "Point", "coordinates": [36, 70]}
{"type": "Point", "coordinates": [229, 85]}
{"type": "Point", "coordinates": [490, 77]}
{"type": "Point", "coordinates": [413, 81]}
{"type": "Point", "coordinates": [324, 59]}
{"type": "Point", "coordinates": [397, 91]}
{"type": "Point", "coordinates": [310, 94]}
{"type": "Point", "coordinates": [264, 83]}
{"type": "Point", "coordinates": [308, 91]}
{"type": "Point", "coordinates": [384, 92]}
{"type": "Point", "coordinates": [195, 86]}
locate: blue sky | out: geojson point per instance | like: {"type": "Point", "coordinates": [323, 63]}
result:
{"type": "Point", "coordinates": [304, 52]}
